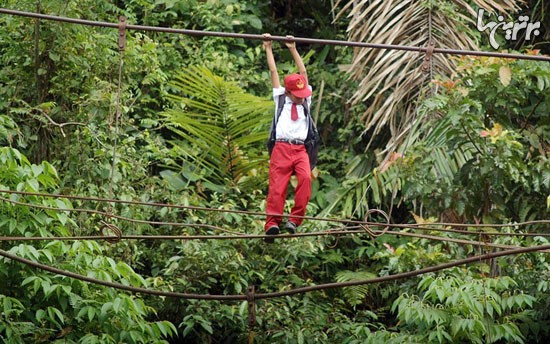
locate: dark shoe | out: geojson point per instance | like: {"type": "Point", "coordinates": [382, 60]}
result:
{"type": "Point", "coordinates": [290, 227]}
{"type": "Point", "coordinates": [271, 231]}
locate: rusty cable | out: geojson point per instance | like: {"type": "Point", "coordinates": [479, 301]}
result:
{"type": "Point", "coordinates": [201, 33]}
{"type": "Point", "coordinates": [257, 296]}
{"type": "Point", "coordinates": [336, 233]}
{"type": "Point", "coordinates": [244, 212]}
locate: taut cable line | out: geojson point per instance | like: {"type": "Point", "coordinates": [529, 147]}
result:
{"type": "Point", "coordinates": [337, 233]}
{"type": "Point", "coordinates": [109, 214]}
{"type": "Point", "coordinates": [347, 222]}
{"type": "Point", "coordinates": [239, 236]}
{"type": "Point", "coordinates": [470, 260]}
{"type": "Point", "coordinates": [275, 38]}
{"type": "Point", "coordinates": [121, 48]}
{"type": "Point", "coordinates": [301, 290]}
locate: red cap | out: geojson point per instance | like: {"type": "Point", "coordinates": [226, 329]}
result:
{"type": "Point", "coordinates": [297, 85]}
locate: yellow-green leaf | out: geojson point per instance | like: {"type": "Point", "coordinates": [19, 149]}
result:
{"type": "Point", "coordinates": [505, 75]}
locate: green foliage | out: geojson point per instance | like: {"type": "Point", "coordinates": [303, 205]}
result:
{"type": "Point", "coordinates": [218, 123]}
{"type": "Point", "coordinates": [8, 130]}
{"type": "Point", "coordinates": [355, 294]}
{"type": "Point", "coordinates": [363, 190]}
{"type": "Point", "coordinates": [51, 307]}
{"type": "Point", "coordinates": [14, 330]}
{"type": "Point", "coordinates": [482, 156]}
{"type": "Point", "coordinates": [451, 309]}
{"type": "Point", "coordinates": [58, 99]}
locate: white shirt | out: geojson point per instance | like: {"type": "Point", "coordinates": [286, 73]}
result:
{"type": "Point", "coordinates": [286, 127]}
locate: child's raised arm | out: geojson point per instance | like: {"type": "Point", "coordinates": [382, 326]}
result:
{"type": "Point", "coordinates": [291, 45]}
{"type": "Point", "coordinates": [268, 46]}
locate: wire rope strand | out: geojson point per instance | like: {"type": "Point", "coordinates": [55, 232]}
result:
{"type": "Point", "coordinates": [415, 273]}
{"type": "Point", "coordinates": [348, 222]}
{"type": "Point", "coordinates": [336, 233]}
{"type": "Point", "coordinates": [300, 290]}
{"type": "Point", "coordinates": [121, 48]}
{"type": "Point", "coordinates": [485, 309]}
{"type": "Point", "coordinates": [275, 38]}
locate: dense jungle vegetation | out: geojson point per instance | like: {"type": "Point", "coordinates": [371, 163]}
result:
{"type": "Point", "coordinates": [464, 142]}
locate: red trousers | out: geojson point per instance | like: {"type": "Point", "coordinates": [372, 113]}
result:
{"type": "Point", "coordinates": [287, 159]}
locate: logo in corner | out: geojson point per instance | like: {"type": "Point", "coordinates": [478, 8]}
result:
{"type": "Point", "coordinates": [511, 28]}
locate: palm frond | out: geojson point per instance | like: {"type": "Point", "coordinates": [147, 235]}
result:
{"type": "Point", "coordinates": [220, 123]}
{"type": "Point", "coordinates": [390, 79]}
{"type": "Point", "coordinates": [355, 294]}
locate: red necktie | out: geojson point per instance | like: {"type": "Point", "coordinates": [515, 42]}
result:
{"type": "Point", "coordinates": [294, 112]}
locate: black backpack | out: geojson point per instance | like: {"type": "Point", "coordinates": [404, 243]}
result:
{"type": "Point", "coordinates": [312, 140]}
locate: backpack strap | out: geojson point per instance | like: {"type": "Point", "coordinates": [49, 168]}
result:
{"type": "Point", "coordinates": [312, 139]}
{"type": "Point", "coordinates": [272, 130]}
{"type": "Point", "coordinates": [280, 106]}
{"type": "Point", "coordinates": [306, 108]}
{"type": "Point", "coordinates": [311, 123]}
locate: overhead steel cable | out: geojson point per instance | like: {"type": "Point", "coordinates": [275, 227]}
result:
{"type": "Point", "coordinates": [300, 290]}
{"type": "Point", "coordinates": [201, 33]}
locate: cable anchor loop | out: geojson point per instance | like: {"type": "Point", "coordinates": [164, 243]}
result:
{"type": "Point", "coordinates": [114, 229]}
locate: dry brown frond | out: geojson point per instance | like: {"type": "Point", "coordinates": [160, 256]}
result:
{"type": "Point", "coordinates": [391, 80]}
